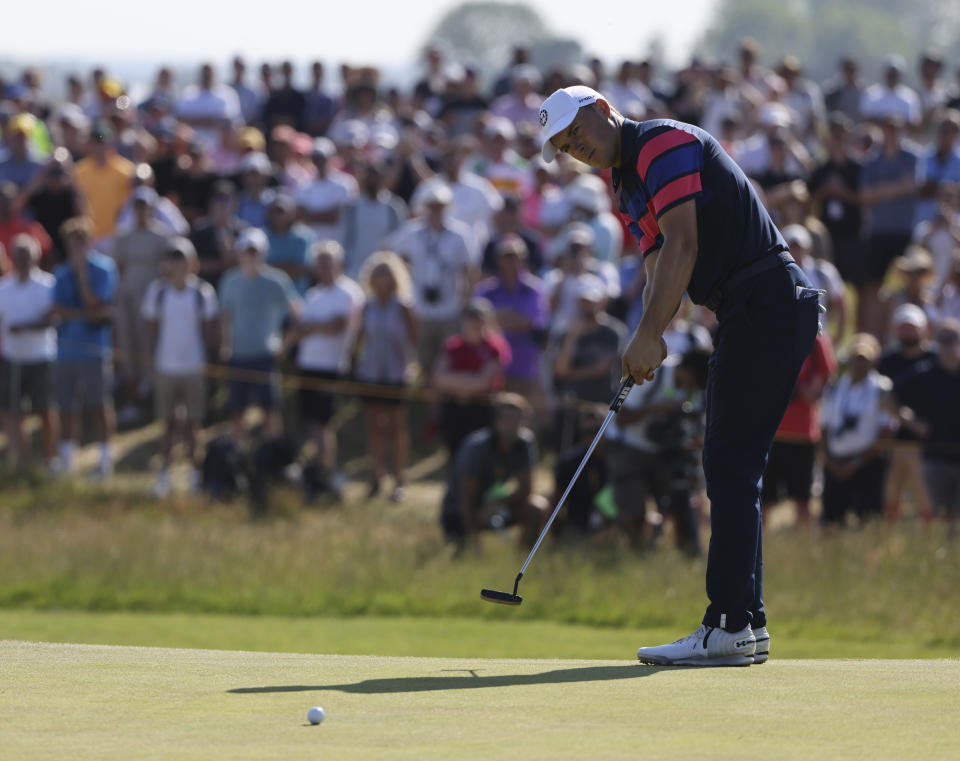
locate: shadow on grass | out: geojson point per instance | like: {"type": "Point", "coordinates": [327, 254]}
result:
{"type": "Point", "coordinates": [471, 682]}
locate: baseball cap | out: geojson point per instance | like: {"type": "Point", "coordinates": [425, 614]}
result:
{"type": "Point", "coordinates": [255, 162]}
{"type": "Point", "coordinates": [866, 346]}
{"type": "Point", "coordinates": [436, 192]}
{"type": "Point", "coordinates": [559, 110]}
{"type": "Point", "coordinates": [323, 146]}
{"type": "Point", "coordinates": [580, 233]}
{"type": "Point", "coordinates": [145, 194]}
{"type": "Point", "coordinates": [181, 248]}
{"type": "Point", "coordinates": [588, 290]}
{"type": "Point", "coordinates": [255, 238]}
{"type": "Point", "coordinates": [797, 235]}
{"type": "Point", "coordinates": [910, 314]}
{"type": "Point", "coordinates": [916, 259]}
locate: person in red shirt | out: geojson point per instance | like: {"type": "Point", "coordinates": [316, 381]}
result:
{"type": "Point", "coordinates": [471, 368]}
{"type": "Point", "coordinates": [790, 465]}
{"type": "Point", "coordinates": [12, 224]}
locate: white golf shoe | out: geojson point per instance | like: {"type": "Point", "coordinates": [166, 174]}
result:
{"type": "Point", "coordinates": [707, 646]}
{"type": "Point", "coordinates": [762, 652]}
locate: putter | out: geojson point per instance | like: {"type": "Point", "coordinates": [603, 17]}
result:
{"type": "Point", "coordinates": [506, 598]}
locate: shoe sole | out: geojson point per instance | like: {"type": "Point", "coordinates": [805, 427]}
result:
{"type": "Point", "coordinates": [725, 660]}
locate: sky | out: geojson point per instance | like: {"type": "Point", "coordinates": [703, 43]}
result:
{"type": "Point", "coordinates": [378, 32]}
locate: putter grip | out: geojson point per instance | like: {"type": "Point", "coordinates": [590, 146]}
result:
{"type": "Point", "coordinates": [618, 401]}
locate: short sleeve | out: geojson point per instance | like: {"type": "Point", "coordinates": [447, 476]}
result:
{"type": "Point", "coordinates": [210, 306]}
{"type": "Point", "coordinates": [106, 288]}
{"type": "Point", "coordinates": [670, 165]}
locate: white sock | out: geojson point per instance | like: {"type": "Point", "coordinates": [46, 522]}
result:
{"type": "Point", "coordinates": [67, 450]}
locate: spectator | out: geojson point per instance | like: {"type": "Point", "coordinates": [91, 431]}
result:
{"type": "Point", "coordinates": [835, 186]}
{"type": "Point", "coordinates": [932, 93]}
{"type": "Point", "coordinates": [650, 446]}
{"type": "Point", "coordinates": [948, 304]}
{"type": "Point", "coordinates": [321, 202]}
{"type": "Point", "coordinates": [479, 495]}
{"type": "Point", "coordinates": [180, 311]}
{"type": "Point", "coordinates": [255, 303]}
{"type": "Point", "coordinates": [855, 427]}
{"type": "Point", "coordinates": [590, 204]}
{"type": "Point", "coordinates": [326, 330]}
{"type": "Point", "coordinates": [941, 234]}
{"type": "Point", "coordinates": [255, 195]}
{"type": "Point", "coordinates": [469, 370]}
{"type": "Point", "coordinates": [790, 464]}
{"type": "Point", "coordinates": [915, 269]}
{"type": "Point", "coordinates": [206, 105]}
{"type": "Point", "coordinates": [166, 214]}
{"type": "Point", "coordinates": [928, 397]}
{"type": "Point", "coordinates": [291, 243]}
{"type": "Point", "coordinates": [19, 167]}
{"type": "Point", "coordinates": [577, 269]}
{"type": "Point", "coordinates": [388, 335]}
{"type": "Point", "coordinates": [508, 224]}
{"type": "Point", "coordinates": [214, 236]}
{"type": "Point", "coordinates": [247, 97]}
{"type": "Point", "coordinates": [522, 104]}
{"type": "Point", "coordinates": [13, 223]}
{"type": "Point", "coordinates": [104, 178]}
{"type": "Point", "coordinates": [822, 275]}
{"type": "Point", "coordinates": [938, 165]}
{"type": "Point", "coordinates": [755, 153]}
{"type": "Point", "coordinates": [522, 312]}
{"type": "Point", "coordinates": [586, 365]}
{"type": "Point", "coordinates": [499, 163]}
{"type": "Point", "coordinates": [475, 201]}
{"type": "Point", "coordinates": [84, 296]}
{"type": "Point", "coordinates": [891, 98]}
{"type": "Point", "coordinates": [370, 218]}
{"type": "Point", "coordinates": [320, 106]}
{"type": "Point", "coordinates": [138, 254]}
{"type": "Point", "coordinates": [887, 191]}
{"type": "Point", "coordinates": [441, 262]}
{"type": "Point", "coordinates": [911, 334]}
{"type": "Point", "coordinates": [51, 199]}
{"type": "Point", "coordinates": [29, 348]}
{"type": "Point", "coordinates": [803, 98]}
{"type": "Point", "coordinates": [285, 104]}
{"type": "Point", "coordinates": [193, 181]}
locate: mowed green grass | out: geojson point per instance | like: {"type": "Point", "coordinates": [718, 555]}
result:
{"type": "Point", "coordinates": [99, 702]}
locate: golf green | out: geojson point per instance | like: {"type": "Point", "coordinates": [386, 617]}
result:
{"type": "Point", "coordinates": [106, 702]}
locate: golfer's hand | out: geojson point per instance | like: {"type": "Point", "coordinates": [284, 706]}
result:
{"type": "Point", "coordinates": [644, 354]}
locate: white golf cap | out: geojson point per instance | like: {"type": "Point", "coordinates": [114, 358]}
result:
{"type": "Point", "coordinates": [910, 314]}
{"type": "Point", "coordinates": [559, 110]}
{"type": "Point", "coordinates": [797, 235]}
{"type": "Point", "coordinates": [253, 238]}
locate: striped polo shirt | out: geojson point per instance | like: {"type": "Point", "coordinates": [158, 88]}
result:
{"type": "Point", "coordinates": [664, 163]}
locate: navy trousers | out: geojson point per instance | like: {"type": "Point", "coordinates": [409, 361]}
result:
{"type": "Point", "coordinates": [768, 326]}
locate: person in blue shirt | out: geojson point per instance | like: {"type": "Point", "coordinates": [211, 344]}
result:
{"type": "Point", "coordinates": [703, 229]}
{"type": "Point", "coordinates": [83, 296]}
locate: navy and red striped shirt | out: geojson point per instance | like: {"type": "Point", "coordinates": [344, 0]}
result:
{"type": "Point", "coordinates": [664, 163]}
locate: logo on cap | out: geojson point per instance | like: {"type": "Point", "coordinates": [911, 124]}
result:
{"type": "Point", "coordinates": [543, 117]}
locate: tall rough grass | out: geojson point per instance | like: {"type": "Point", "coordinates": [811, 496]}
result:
{"type": "Point", "coordinates": [73, 547]}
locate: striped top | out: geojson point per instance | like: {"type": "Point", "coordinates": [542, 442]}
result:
{"type": "Point", "coordinates": [664, 163]}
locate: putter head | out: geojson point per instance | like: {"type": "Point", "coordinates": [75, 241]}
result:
{"type": "Point", "coordinates": [504, 598]}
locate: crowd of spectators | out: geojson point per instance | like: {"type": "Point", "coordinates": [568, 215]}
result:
{"type": "Point", "coordinates": [390, 244]}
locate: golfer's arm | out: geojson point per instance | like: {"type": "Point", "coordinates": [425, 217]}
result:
{"type": "Point", "coordinates": [672, 269]}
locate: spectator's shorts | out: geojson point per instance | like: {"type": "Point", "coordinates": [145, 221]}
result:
{"type": "Point", "coordinates": [881, 251]}
{"type": "Point", "coordinates": [316, 405]}
{"type": "Point", "coordinates": [253, 383]}
{"type": "Point", "coordinates": [789, 472]}
{"type": "Point", "coordinates": [943, 481]}
{"type": "Point", "coordinates": [26, 380]}
{"type": "Point", "coordinates": [89, 380]}
{"type": "Point", "coordinates": [173, 391]}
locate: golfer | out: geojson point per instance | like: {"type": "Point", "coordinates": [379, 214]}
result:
{"type": "Point", "coordinates": [702, 229]}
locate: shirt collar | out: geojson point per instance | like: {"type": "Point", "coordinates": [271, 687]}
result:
{"type": "Point", "coordinates": [628, 152]}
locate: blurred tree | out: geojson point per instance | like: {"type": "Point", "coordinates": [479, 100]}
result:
{"type": "Point", "coordinates": [819, 32]}
{"type": "Point", "coordinates": [485, 34]}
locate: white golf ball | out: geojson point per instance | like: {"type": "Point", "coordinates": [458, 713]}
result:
{"type": "Point", "coordinates": [315, 715]}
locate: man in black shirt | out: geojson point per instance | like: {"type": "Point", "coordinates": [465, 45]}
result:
{"type": "Point", "coordinates": [834, 185]}
{"type": "Point", "coordinates": [491, 482]}
{"type": "Point", "coordinates": [929, 396]}
{"type": "Point", "coordinates": [911, 328]}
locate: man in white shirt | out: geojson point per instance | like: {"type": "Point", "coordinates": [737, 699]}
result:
{"type": "Point", "coordinates": [321, 202]}
{"type": "Point", "coordinates": [29, 346]}
{"type": "Point", "coordinates": [206, 106]}
{"type": "Point", "coordinates": [181, 314]}
{"type": "Point", "coordinates": [854, 424]}
{"type": "Point", "coordinates": [892, 96]}
{"type": "Point", "coordinates": [326, 330]}
{"type": "Point", "coordinates": [442, 263]}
